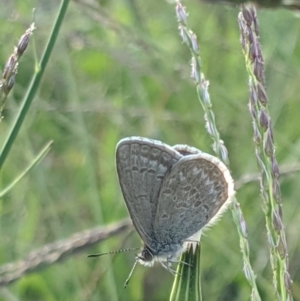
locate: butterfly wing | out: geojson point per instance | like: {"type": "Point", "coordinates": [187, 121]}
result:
{"type": "Point", "coordinates": [191, 196]}
{"type": "Point", "coordinates": [142, 164]}
{"type": "Point", "coordinates": [186, 150]}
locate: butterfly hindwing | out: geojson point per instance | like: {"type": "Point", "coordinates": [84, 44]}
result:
{"type": "Point", "coordinates": [191, 195]}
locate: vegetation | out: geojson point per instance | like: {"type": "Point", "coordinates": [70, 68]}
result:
{"type": "Point", "coordinates": [119, 69]}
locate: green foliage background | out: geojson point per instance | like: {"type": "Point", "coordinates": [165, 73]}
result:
{"type": "Point", "coordinates": [119, 70]}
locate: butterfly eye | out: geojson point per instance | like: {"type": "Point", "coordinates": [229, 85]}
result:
{"type": "Point", "coordinates": [146, 255]}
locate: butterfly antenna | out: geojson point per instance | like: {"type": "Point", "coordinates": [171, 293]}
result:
{"type": "Point", "coordinates": [130, 274]}
{"type": "Point", "coordinates": [113, 252]}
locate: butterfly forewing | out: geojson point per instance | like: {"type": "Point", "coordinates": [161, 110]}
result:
{"type": "Point", "coordinates": [142, 164]}
{"type": "Point", "coordinates": [191, 195]}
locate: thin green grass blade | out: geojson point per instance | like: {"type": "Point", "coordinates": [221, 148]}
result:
{"type": "Point", "coordinates": [37, 160]}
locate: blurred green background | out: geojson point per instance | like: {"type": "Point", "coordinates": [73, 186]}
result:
{"type": "Point", "coordinates": [119, 69]}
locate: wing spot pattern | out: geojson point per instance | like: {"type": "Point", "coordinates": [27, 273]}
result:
{"type": "Point", "coordinates": [197, 204]}
{"type": "Point", "coordinates": [165, 216]}
{"type": "Point", "coordinates": [187, 188]}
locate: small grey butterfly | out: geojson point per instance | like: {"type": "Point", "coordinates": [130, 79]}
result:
{"type": "Point", "coordinates": [171, 194]}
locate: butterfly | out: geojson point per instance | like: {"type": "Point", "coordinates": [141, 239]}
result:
{"type": "Point", "coordinates": [171, 193]}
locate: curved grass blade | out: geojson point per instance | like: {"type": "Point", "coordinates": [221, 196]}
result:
{"type": "Point", "coordinates": [38, 158]}
{"type": "Point", "coordinates": [31, 92]}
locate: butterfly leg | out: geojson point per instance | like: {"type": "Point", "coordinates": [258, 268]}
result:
{"type": "Point", "coordinates": [168, 267]}
{"type": "Point", "coordinates": [183, 262]}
